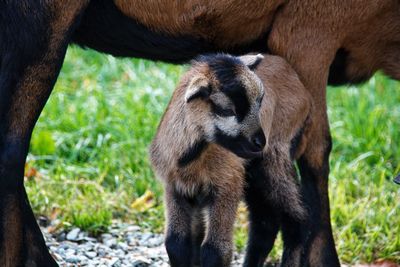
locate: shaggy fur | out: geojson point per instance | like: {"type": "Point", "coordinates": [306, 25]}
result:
{"type": "Point", "coordinates": [212, 181]}
{"type": "Point", "coordinates": [205, 188]}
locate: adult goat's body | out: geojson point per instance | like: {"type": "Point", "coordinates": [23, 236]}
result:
{"type": "Point", "coordinates": [322, 39]}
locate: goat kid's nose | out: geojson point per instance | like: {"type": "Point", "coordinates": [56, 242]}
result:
{"type": "Point", "coordinates": [259, 140]}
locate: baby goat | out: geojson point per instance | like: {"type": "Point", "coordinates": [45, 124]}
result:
{"type": "Point", "coordinates": [210, 127]}
{"type": "Point", "coordinates": [209, 144]}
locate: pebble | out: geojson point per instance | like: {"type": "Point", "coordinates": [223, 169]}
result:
{"type": "Point", "coordinates": [122, 246]}
{"type": "Point", "coordinates": [110, 242]}
{"type": "Point", "coordinates": [72, 259]}
{"type": "Point", "coordinates": [114, 262]}
{"type": "Point", "coordinates": [91, 254]}
{"type": "Point", "coordinates": [73, 234]}
{"type": "Point", "coordinates": [141, 263]}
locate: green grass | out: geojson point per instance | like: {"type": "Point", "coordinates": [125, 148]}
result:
{"type": "Point", "coordinates": [90, 148]}
{"type": "Point", "coordinates": [365, 124]}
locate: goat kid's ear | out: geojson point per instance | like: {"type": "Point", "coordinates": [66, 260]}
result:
{"type": "Point", "coordinates": [251, 61]}
{"type": "Point", "coordinates": [198, 87]}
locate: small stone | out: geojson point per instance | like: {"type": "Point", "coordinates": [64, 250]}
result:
{"type": "Point", "coordinates": [101, 252]}
{"type": "Point", "coordinates": [112, 242]}
{"type": "Point", "coordinates": [146, 236]}
{"type": "Point", "coordinates": [91, 254]}
{"type": "Point", "coordinates": [123, 246]}
{"type": "Point", "coordinates": [89, 239]}
{"type": "Point", "coordinates": [60, 251]}
{"type": "Point", "coordinates": [106, 236]}
{"type": "Point", "coordinates": [82, 258]}
{"type": "Point", "coordinates": [68, 244]}
{"type": "Point", "coordinates": [155, 241]}
{"type": "Point", "coordinates": [81, 236]}
{"type": "Point", "coordinates": [115, 262]}
{"type": "Point", "coordinates": [115, 232]}
{"type": "Point", "coordinates": [159, 264]}
{"type": "Point", "coordinates": [132, 228]}
{"type": "Point", "coordinates": [132, 241]}
{"type": "Point", "coordinates": [86, 246]}
{"type": "Point", "coordinates": [61, 237]}
{"type": "Point", "coordinates": [144, 239]}
{"type": "Point", "coordinates": [56, 256]}
{"type": "Point", "coordinates": [43, 221]}
{"type": "Point", "coordinates": [141, 262]}
{"type": "Point", "coordinates": [73, 234]}
{"type": "Point", "coordinates": [70, 252]}
{"type": "Point", "coordinates": [73, 259]}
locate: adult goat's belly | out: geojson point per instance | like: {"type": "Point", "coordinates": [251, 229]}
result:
{"type": "Point", "coordinates": [224, 23]}
{"type": "Point", "coordinates": [175, 31]}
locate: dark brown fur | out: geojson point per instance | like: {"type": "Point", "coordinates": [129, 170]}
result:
{"type": "Point", "coordinates": [21, 242]}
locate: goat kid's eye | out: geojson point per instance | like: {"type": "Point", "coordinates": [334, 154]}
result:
{"type": "Point", "coordinates": [227, 113]}
{"type": "Point", "coordinates": [223, 112]}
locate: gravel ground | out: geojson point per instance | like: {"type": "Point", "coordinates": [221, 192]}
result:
{"type": "Point", "coordinates": [123, 245]}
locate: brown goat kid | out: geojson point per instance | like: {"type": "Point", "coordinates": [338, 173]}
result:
{"type": "Point", "coordinates": [210, 125]}
{"type": "Point", "coordinates": [323, 40]}
{"type": "Point", "coordinates": [210, 139]}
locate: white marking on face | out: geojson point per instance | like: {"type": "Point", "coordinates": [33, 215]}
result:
{"type": "Point", "coordinates": [228, 125]}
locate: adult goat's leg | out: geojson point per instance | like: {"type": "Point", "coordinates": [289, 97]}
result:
{"type": "Point", "coordinates": [35, 36]}
{"type": "Point", "coordinates": [314, 168]}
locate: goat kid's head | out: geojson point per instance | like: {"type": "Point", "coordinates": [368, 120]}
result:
{"type": "Point", "coordinates": [223, 97]}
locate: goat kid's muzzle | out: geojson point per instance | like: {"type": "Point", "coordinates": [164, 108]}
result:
{"type": "Point", "coordinates": [244, 147]}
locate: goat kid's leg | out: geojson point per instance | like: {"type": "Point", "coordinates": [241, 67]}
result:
{"type": "Point", "coordinates": [198, 233]}
{"type": "Point", "coordinates": [216, 250]}
{"type": "Point", "coordinates": [178, 240]}
{"type": "Point", "coordinates": [34, 42]}
{"type": "Point", "coordinates": [292, 242]}
{"type": "Point", "coordinates": [264, 219]}
{"type": "Point", "coordinates": [264, 227]}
